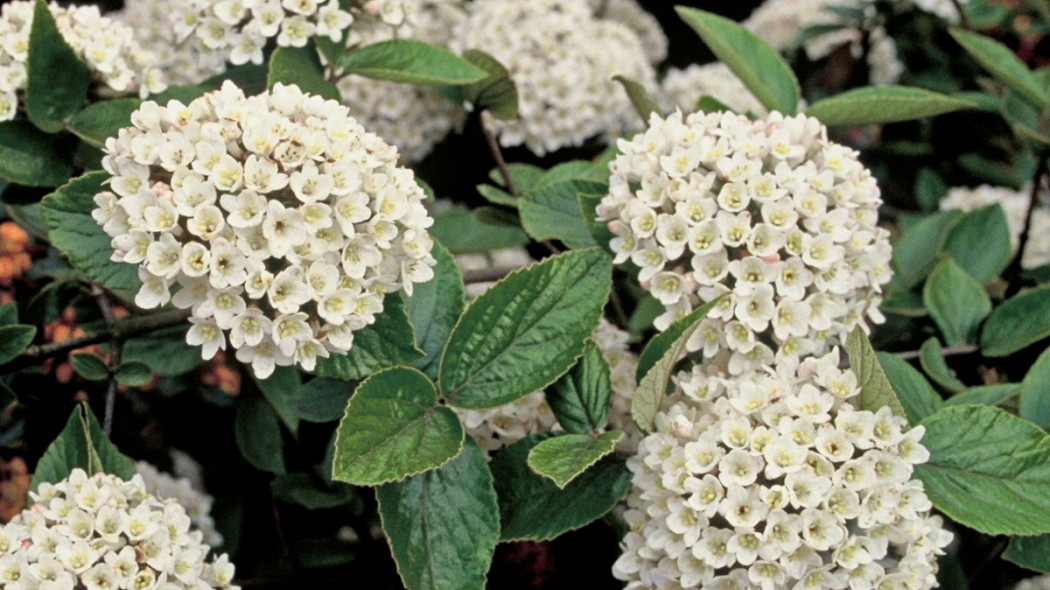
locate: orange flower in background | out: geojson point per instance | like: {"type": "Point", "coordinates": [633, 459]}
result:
{"type": "Point", "coordinates": [14, 487]}
{"type": "Point", "coordinates": [219, 373]}
{"type": "Point", "coordinates": [14, 257]}
{"type": "Point", "coordinates": [61, 329]}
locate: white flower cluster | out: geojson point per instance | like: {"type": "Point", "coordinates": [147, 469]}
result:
{"type": "Point", "coordinates": [775, 481]}
{"type": "Point", "coordinates": [102, 533]}
{"type": "Point", "coordinates": [562, 60]}
{"type": "Point", "coordinates": [279, 217]}
{"type": "Point", "coordinates": [945, 9]}
{"type": "Point", "coordinates": [767, 212]}
{"type": "Point", "coordinates": [183, 63]}
{"type": "Point", "coordinates": [196, 502]}
{"type": "Point", "coordinates": [1036, 583]}
{"type": "Point", "coordinates": [683, 88]}
{"type": "Point", "coordinates": [240, 29]}
{"type": "Point", "coordinates": [413, 118]}
{"type": "Point", "coordinates": [106, 45]}
{"type": "Point", "coordinates": [498, 427]}
{"type": "Point", "coordinates": [645, 25]}
{"type": "Point", "coordinates": [1015, 207]}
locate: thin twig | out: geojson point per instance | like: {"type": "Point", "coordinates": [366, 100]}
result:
{"type": "Point", "coordinates": [114, 357]}
{"type": "Point", "coordinates": [497, 154]}
{"type": "Point", "coordinates": [1013, 271]}
{"type": "Point", "coordinates": [123, 329]}
{"type": "Point", "coordinates": [963, 19]}
{"type": "Point", "coordinates": [950, 351]}
{"type": "Point", "coordinates": [487, 275]}
{"type": "Point", "coordinates": [621, 315]}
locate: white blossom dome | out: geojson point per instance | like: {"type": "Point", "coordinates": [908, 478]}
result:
{"type": "Point", "coordinates": [183, 63]}
{"type": "Point", "coordinates": [240, 29]}
{"type": "Point", "coordinates": [683, 88]}
{"type": "Point", "coordinates": [631, 14]}
{"type": "Point", "coordinates": [283, 221]}
{"type": "Point", "coordinates": [776, 481]}
{"type": "Point", "coordinates": [107, 46]}
{"type": "Point", "coordinates": [196, 502]}
{"type": "Point", "coordinates": [781, 22]}
{"type": "Point", "coordinates": [768, 212]}
{"type": "Point", "coordinates": [563, 60]}
{"type": "Point", "coordinates": [413, 118]}
{"type": "Point", "coordinates": [1015, 207]}
{"type": "Point", "coordinates": [100, 532]}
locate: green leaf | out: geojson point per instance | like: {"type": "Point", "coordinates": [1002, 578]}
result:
{"type": "Point", "coordinates": [258, 434]}
{"type": "Point", "coordinates": [524, 176]}
{"type": "Point", "coordinates": [102, 120]}
{"type": "Point", "coordinates": [883, 104]}
{"type": "Point", "coordinates": [389, 342]}
{"type": "Point", "coordinates": [8, 313]}
{"type": "Point", "coordinates": [71, 229]}
{"type": "Point", "coordinates": [980, 243]}
{"type": "Point", "coordinates": [497, 92]}
{"type": "Point", "coordinates": [533, 508]}
{"type": "Point", "coordinates": [81, 444]}
{"type": "Point", "coordinates": [580, 399]}
{"type": "Point", "coordinates": [497, 196]}
{"type": "Point", "coordinates": [31, 157]}
{"type": "Point", "coordinates": [443, 525]}
{"type": "Point", "coordinates": [305, 491]}
{"type": "Point", "coordinates": [599, 230]}
{"type": "Point", "coordinates": [644, 104]}
{"type": "Point", "coordinates": [985, 394]}
{"type": "Point", "coordinates": [931, 358]}
{"type": "Point", "coordinates": [89, 366]}
{"type": "Point", "coordinates": [666, 349]}
{"type": "Point", "coordinates": [760, 68]}
{"type": "Point", "coordinates": [302, 67]}
{"type": "Point", "coordinates": [710, 104]}
{"type": "Point", "coordinates": [988, 470]}
{"type": "Point", "coordinates": [875, 388]}
{"type": "Point", "coordinates": [525, 331]}
{"type": "Point", "coordinates": [929, 189]}
{"type": "Point", "coordinates": [323, 400]}
{"type": "Point", "coordinates": [564, 458]}
{"type": "Point", "coordinates": [58, 81]}
{"type": "Point", "coordinates": [460, 231]}
{"type": "Point", "coordinates": [133, 374]}
{"type": "Point", "coordinates": [434, 308]}
{"type": "Point", "coordinates": [281, 389]}
{"type": "Point", "coordinates": [1002, 63]}
{"type": "Point", "coordinates": [956, 301]}
{"type": "Point", "coordinates": [1030, 552]}
{"type": "Point", "coordinates": [915, 253]}
{"type": "Point", "coordinates": [1022, 320]}
{"type": "Point", "coordinates": [411, 62]}
{"type": "Point", "coordinates": [918, 398]}
{"type": "Point", "coordinates": [165, 351]}
{"type": "Point", "coordinates": [394, 428]}
{"type": "Point", "coordinates": [551, 211]}
{"type": "Point", "coordinates": [1035, 392]}
{"type": "Point", "coordinates": [14, 339]}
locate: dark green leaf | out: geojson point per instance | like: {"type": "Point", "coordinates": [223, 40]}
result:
{"type": "Point", "coordinates": [580, 399]}
{"type": "Point", "coordinates": [410, 62]}
{"type": "Point", "coordinates": [988, 470]}
{"type": "Point", "coordinates": [644, 104]}
{"type": "Point", "coordinates": [760, 68]}
{"type": "Point", "coordinates": [980, 243]}
{"type": "Point", "coordinates": [323, 400]}
{"type": "Point", "coordinates": [1035, 392]}
{"type": "Point", "coordinates": [915, 253]}
{"type": "Point", "coordinates": [1002, 63]}
{"type": "Point", "coordinates": [883, 104]}
{"type": "Point", "coordinates": [31, 157]}
{"type": "Point", "coordinates": [434, 308]}
{"type": "Point", "coordinates": [394, 428]}
{"type": "Point", "coordinates": [657, 348]}
{"type": "Point", "coordinates": [306, 491]}
{"type": "Point", "coordinates": [58, 81]}
{"type": "Point", "coordinates": [497, 196]}
{"type": "Point", "coordinates": [302, 67]}
{"type": "Point", "coordinates": [533, 508]}
{"type": "Point", "coordinates": [985, 394]}
{"type": "Point", "coordinates": [599, 230]}
{"type": "Point", "coordinates": [917, 396]}
{"type": "Point", "coordinates": [525, 331]}
{"type": "Point", "coordinates": [89, 366]}
{"type": "Point", "coordinates": [524, 176]}
{"type": "Point", "coordinates": [875, 388]}
{"type": "Point", "coordinates": [1022, 320]}
{"type": "Point", "coordinates": [281, 389]}
{"type": "Point", "coordinates": [258, 434]}
{"type": "Point", "coordinates": [931, 358]}
{"type": "Point", "coordinates": [133, 374]}
{"type": "Point", "coordinates": [497, 92]}
{"type": "Point", "coordinates": [443, 525]}
{"type": "Point", "coordinates": [102, 120]}
{"type": "Point", "coordinates": [1030, 552]}
{"type": "Point", "coordinates": [81, 444]}
{"type": "Point", "coordinates": [67, 213]}
{"type": "Point", "coordinates": [956, 301]}
{"type": "Point", "coordinates": [389, 342]}
{"type": "Point", "coordinates": [165, 351]}
{"type": "Point", "coordinates": [551, 211]}
{"type": "Point", "coordinates": [564, 458]}
{"type": "Point", "coordinates": [929, 189]}
{"type": "Point", "coordinates": [14, 339]}
{"type": "Point", "coordinates": [460, 231]}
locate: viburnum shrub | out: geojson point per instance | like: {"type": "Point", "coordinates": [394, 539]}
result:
{"type": "Point", "coordinates": [466, 294]}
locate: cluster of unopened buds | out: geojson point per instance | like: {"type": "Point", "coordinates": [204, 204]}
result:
{"type": "Point", "coordinates": [15, 258]}
{"type": "Point", "coordinates": [282, 221]}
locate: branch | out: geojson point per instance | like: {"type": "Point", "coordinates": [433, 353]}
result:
{"type": "Point", "coordinates": [497, 154]}
{"type": "Point", "coordinates": [114, 358]}
{"type": "Point", "coordinates": [121, 330]}
{"type": "Point", "coordinates": [1013, 271]}
{"type": "Point", "coordinates": [963, 19]}
{"type": "Point", "coordinates": [950, 351]}
{"type": "Point", "coordinates": [487, 275]}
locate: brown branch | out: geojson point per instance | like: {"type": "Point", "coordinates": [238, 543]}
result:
{"type": "Point", "coordinates": [497, 154]}
{"type": "Point", "coordinates": [1013, 272]}
{"type": "Point", "coordinates": [950, 351]}
{"type": "Point", "coordinates": [102, 299]}
{"type": "Point", "coordinates": [963, 19]}
{"type": "Point", "coordinates": [487, 275]}
{"type": "Point", "coordinates": [121, 330]}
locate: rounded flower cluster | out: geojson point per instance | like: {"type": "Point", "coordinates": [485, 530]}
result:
{"type": "Point", "coordinates": [106, 45]}
{"type": "Point", "coordinates": [683, 88]}
{"type": "Point", "coordinates": [180, 62]}
{"type": "Point", "coordinates": [496, 428]}
{"type": "Point", "coordinates": [769, 213]}
{"type": "Point", "coordinates": [413, 118]}
{"type": "Point", "coordinates": [196, 502]}
{"type": "Point", "coordinates": [776, 481]}
{"type": "Point", "coordinates": [240, 29]}
{"type": "Point", "coordinates": [100, 533]}
{"type": "Point", "coordinates": [563, 60]}
{"type": "Point", "coordinates": [945, 9]}
{"type": "Point", "coordinates": [1036, 583]}
{"type": "Point", "coordinates": [1015, 207]}
{"type": "Point", "coordinates": [646, 26]}
{"type": "Point", "coordinates": [279, 217]}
